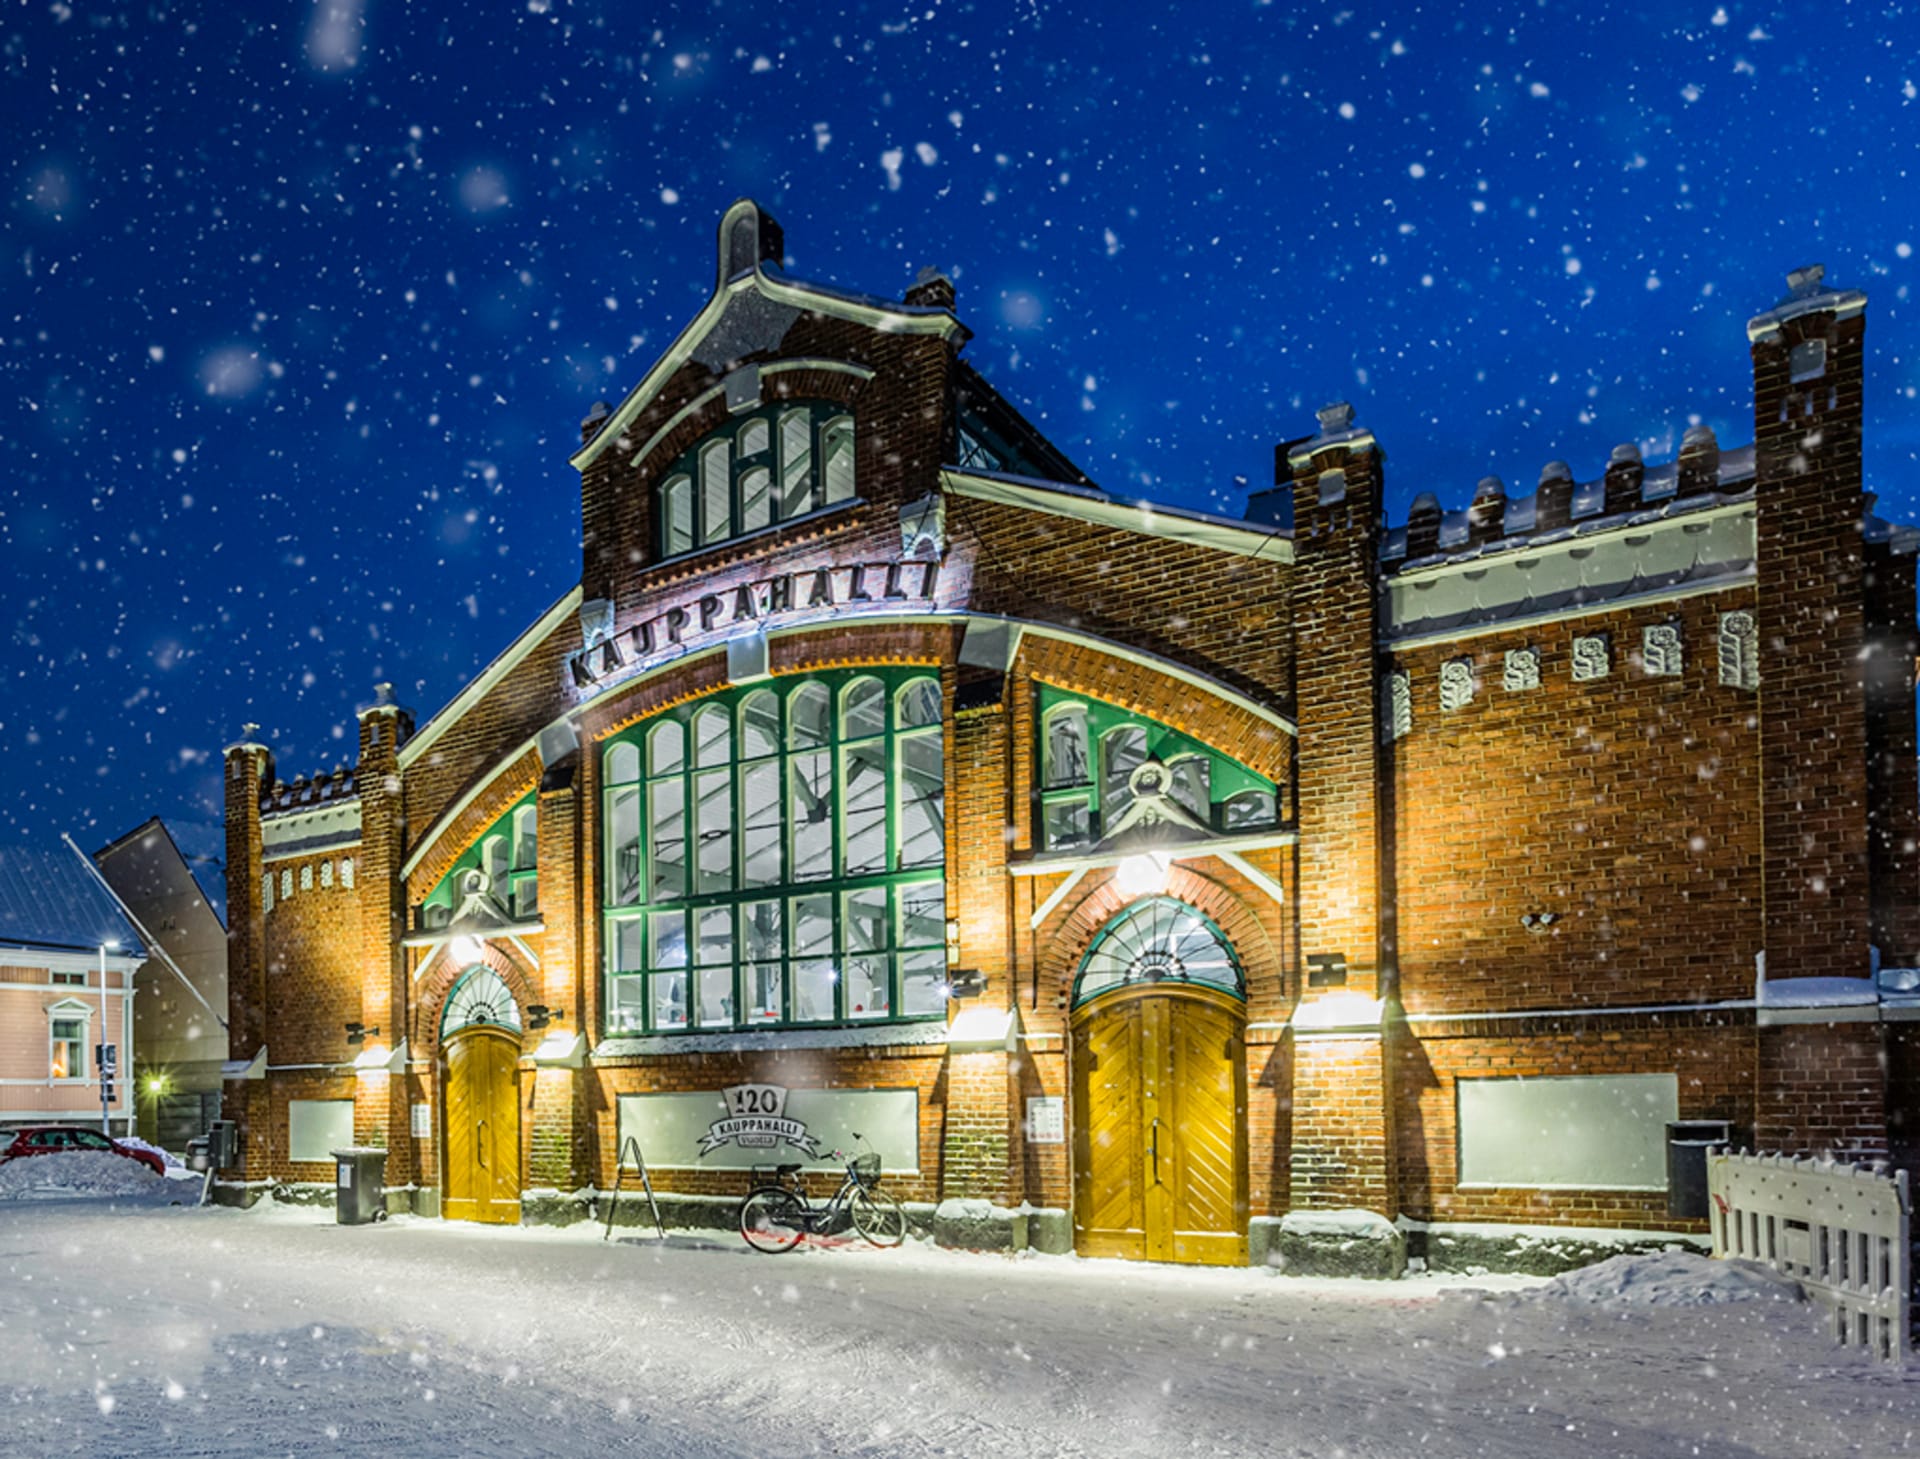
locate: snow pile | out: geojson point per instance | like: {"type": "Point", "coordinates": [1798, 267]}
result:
{"type": "Point", "coordinates": [74, 1173]}
{"type": "Point", "coordinates": [1670, 1279]}
{"type": "Point", "coordinates": [1370, 1225]}
{"type": "Point", "coordinates": [134, 1142]}
{"type": "Point", "coordinates": [1817, 992]}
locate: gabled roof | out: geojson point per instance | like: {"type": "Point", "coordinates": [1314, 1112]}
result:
{"type": "Point", "coordinates": [752, 304]}
{"type": "Point", "coordinates": [48, 899]}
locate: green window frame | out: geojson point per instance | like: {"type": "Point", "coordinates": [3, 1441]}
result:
{"type": "Point", "coordinates": [779, 463]}
{"type": "Point", "coordinates": [1085, 750]}
{"type": "Point", "coordinates": [508, 851]}
{"type": "Point", "coordinates": [774, 856]}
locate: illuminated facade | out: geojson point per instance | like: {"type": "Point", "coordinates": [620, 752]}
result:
{"type": "Point", "coordinates": [1171, 872]}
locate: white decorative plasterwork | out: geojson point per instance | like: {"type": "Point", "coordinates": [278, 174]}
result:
{"type": "Point", "coordinates": [1456, 684]}
{"type": "Point", "coordinates": [1592, 657]}
{"type": "Point", "coordinates": [1662, 652]}
{"type": "Point", "coordinates": [286, 884]}
{"type": "Point", "coordinates": [266, 892]}
{"type": "Point", "coordinates": [1396, 706]}
{"type": "Point", "coordinates": [1739, 651]}
{"type": "Point", "coordinates": [306, 877]}
{"type": "Point", "coordinates": [326, 874]}
{"type": "Point", "coordinates": [346, 872]}
{"type": "Point", "coordinates": [1522, 669]}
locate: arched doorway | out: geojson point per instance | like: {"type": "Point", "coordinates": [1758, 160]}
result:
{"type": "Point", "coordinates": [480, 1103]}
{"type": "Point", "coordinates": [1160, 1091]}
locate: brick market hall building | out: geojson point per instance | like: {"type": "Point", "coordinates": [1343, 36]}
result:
{"type": "Point", "coordinates": [881, 774]}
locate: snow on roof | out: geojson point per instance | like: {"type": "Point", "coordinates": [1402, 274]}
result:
{"type": "Point", "coordinates": [48, 899]}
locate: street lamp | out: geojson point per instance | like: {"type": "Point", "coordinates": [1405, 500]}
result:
{"type": "Point", "coordinates": [100, 1048]}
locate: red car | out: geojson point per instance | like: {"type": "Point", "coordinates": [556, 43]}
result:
{"type": "Point", "coordinates": [58, 1139]}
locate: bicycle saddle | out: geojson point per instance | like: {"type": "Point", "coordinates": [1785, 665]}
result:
{"type": "Point", "coordinates": [786, 1169]}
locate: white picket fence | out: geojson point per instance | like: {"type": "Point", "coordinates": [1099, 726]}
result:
{"type": "Point", "coordinates": [1841, 1231]}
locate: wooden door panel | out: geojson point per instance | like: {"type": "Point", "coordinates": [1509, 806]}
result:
{"type": "Point", "coordinates": [1108, 1215]}
{"type": "Point", "coordinates": [1207, 1080]}
{"type": "Point", "coordinates": [1159, 1147]}
{"type": "Point", "coordinates": [482, 1124]}
{"type": "Point", "coordinates": [459, 1202]}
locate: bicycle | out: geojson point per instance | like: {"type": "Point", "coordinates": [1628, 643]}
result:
{"type": "Point", "coordinates": [776, 1213]}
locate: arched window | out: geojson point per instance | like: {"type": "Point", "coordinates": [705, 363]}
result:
{"type": "Point", "coordinates": [796, 838]}
{"type": "Point", "coordinates": [772, 466]}
{"type": "Point", "coordinates": [480, 997]}
{"type": "Point", "coordinates": [1158, 940]}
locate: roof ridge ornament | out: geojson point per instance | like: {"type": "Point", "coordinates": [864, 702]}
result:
{"type": "Point", "coordinates": [749, 237]}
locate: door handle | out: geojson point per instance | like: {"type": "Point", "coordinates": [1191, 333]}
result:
{"type": "Point", "coordinates": [480, 1142]}
{"type": "Point", "coordinates": [1153, 1132]}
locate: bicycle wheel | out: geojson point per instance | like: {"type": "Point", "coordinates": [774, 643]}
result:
{"type": "Point", "coordinates": [877, 1216]}
{"type": "Point", "coordinates": [772, 1219]}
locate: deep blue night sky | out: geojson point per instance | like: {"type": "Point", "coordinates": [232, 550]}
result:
{"type": "Point", "coordinates": [303, 304]}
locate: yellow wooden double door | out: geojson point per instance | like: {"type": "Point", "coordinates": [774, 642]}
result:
{"type": "Point", "coordinates": [482, 1139]}
{"type": "Point", "coordinates": [1160, 1097]}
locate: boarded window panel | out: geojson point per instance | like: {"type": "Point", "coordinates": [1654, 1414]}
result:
{"type": "Point", "coordinates": [865, 790]}
{"type": "Point", "coordinates": [810, 812]}
{"type": "Point", "coordinates": [669, 807]}
{"type": "Point", "coordinates": [796, 464]}
{"type": "Point", "coordinates": [838, 450]}
{"type": "Point", "coordinates": [923, 792]}
{"type": "Point", "coordinates": [716, 494]}
{"type": "Point", "coordinates": [1599, 1131]}
{"type": "Point", "coordinates": [756, 498]}
{"type": "Point", "coordinates": [318, 1127]}
{"type": "Point", "coordinates": [676, 515]}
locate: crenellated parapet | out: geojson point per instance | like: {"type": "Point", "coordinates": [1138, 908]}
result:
{"type": "Point", "coordinates": [1626, 493]}
{"type": "Point", "coordinates": [323, 787]}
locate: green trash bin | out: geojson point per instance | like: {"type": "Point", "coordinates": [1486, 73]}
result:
{"type": "Point", "coordinates": [360, 1185]}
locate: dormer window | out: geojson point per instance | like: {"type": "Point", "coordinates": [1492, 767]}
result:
{"type": "Point", "coordinates": [777, 464]}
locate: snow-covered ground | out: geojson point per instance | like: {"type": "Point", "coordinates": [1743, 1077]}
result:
{"type": "Point", "coordinates": [214, 1332]}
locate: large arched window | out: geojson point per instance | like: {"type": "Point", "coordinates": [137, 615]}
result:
{"type": "Point", "coordinates": [1158, 940]}
{"type": "Point", "coordinates": [775, 856]}
{"type": "Point", "coordinates": [777, 464]}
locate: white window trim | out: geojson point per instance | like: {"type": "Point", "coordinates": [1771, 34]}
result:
{"type": "Point", "coordinates": [70, 1008]}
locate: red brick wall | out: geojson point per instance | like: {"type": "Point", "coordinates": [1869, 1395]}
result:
{"type": "Point", "coordinates": [1712, 1053]}
{"type": "Point", "coordinates": [1628, 806]}
{"type": "Point", "coordinates": [1823, 1090]}
{"type": "Point", "coordinates": [1812, 631]}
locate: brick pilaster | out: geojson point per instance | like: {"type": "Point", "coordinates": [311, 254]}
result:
{"type": "Point", "coordinates": [249, 770]}
{"type": "Point", "coordinates": [1813, 736]}
{"type": "Point", "coordinates": [1341, 1112]}
{"type": "Point", "coordinates": [381, 1102]}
